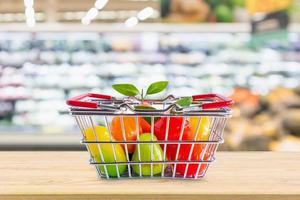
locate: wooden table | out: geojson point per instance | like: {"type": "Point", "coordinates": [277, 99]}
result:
{"type": "Point", "coordinates": [67, 175]}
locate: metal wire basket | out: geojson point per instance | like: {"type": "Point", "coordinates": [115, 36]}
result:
{"type": "Point", "coordinates": [172, 149]}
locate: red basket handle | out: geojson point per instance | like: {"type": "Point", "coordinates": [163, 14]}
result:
{"type": "Point", "coordinates": [77, 101]}
{"type": "Point", "coordinates": [222, 101]}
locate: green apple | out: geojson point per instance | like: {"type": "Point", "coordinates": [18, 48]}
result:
{"type": "Point", "coordinates": [145, 155]}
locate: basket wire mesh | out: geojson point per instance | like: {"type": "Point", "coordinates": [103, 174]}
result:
{"type": "Point", "coordinates": [212, 120]}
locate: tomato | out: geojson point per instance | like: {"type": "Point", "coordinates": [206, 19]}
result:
{"type": "Point", "coordinates": [173, 134]}
{"type": "Point", "coordinates": [131, 130]}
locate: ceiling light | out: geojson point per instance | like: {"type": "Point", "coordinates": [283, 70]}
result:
{"type": "Point", "coordinates": [131, 22]}
{"type": "Point", "coordinates": [85, 21]}
{"type": "Point", "coordinates": [28, 3]}
{"type": "Point", "coordinates": [92, 13]}
{"type": "Point", "coordinates": [30, 22]}
{"type": "Point", "coordinates": [29, 12]}
{"type": "Point", "coordinates": [99, 4]}
{"type": "Point", "coordinates": [145, 13]}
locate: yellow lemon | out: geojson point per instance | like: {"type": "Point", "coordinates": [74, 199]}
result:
{"type": "Point", "coordinates": [204, 127]}
{"type": "Point", "coordinates": [100, 133]}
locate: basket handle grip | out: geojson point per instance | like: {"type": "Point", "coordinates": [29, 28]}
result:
{"type": "Point", "coordinates": [222, 101]}
{"type": "Point", "coordinates": [78, 100]}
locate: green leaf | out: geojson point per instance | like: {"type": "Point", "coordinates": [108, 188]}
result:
{"type": "Point", "coordinates": [126, 89]}
{"type": "Point", "coordinates": [157, 87]}
{"type": "Point", "coordinates": [184, 102]}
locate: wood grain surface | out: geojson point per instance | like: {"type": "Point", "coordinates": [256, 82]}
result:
{"type": "Point", "coordinates": [67, 175]}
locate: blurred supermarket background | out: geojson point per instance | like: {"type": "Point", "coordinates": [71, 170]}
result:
{"type": "Point", "coordinates": [54, 49]}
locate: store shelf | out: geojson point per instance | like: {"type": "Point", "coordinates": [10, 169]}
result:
{"type": "Point", "coordinates": [120, 27]}
{"type": "Point", "coordinates": [147, 27]}
{"type": "Point", "coordinates": [66, 175]}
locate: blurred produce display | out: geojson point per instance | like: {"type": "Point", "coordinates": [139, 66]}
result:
{"type": "Point", "coordinates": [39, 71]}
{"type": "Point", "coordinates": [268, 122]}
{"type": "Point", "coordinates": [198, 11]}
{"type": "Point", "coordinates": [204, 10]}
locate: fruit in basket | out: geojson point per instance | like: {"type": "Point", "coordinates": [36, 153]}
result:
{"type": "Point", "coordinates": [130, 126]}
{"type": "Point", "coordinates": [131, 129]}
{"type": "Point", "coordinates": [145, 155]}
{"type": "Point", "coordinates": [203, 134]}
{"type": "Point", "coordinates": [146, 127]}
{"type": "Point", "coordinates": [197, 155]}
{"type": "Point", "coordinates": [145, 122]}
{"type": "Point", "coordinates": [107, 150]}
{"type": "Point", "coordinates": [188, 134]}
{"type": "Point", "coordinates": [175, 124]}
{"type": "Point", "coordinates": [203, 129]}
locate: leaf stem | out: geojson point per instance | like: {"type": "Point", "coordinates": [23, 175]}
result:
{"type": "Point", "coordinates": [142, 96]}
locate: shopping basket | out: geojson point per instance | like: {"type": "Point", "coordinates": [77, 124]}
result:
{"type": "Point", "coordinates": [163, 157]}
